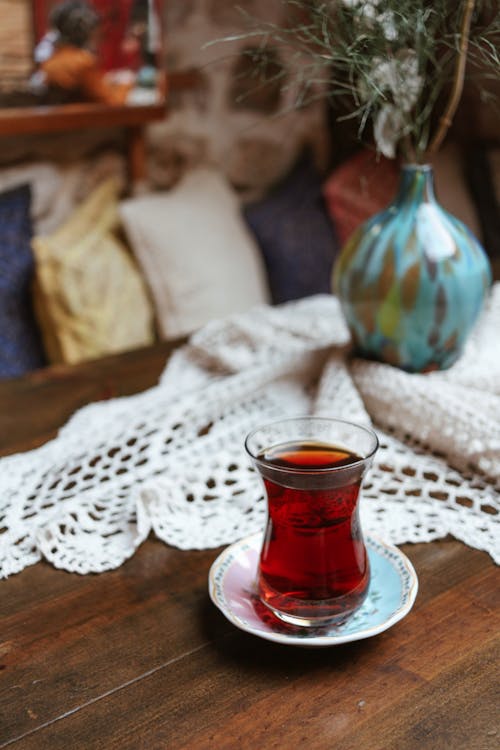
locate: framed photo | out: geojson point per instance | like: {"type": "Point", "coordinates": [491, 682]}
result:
{"type": "Point", "coordinates": [67, 51]}
{"type": "Point", "coordinates": [126, 33]}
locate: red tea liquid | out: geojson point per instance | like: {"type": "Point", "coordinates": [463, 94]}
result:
{"type": "Point", "coordinates": [313, 561]}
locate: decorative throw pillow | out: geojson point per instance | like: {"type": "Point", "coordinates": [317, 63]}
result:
{"type": "Point", "coordinates": [366, 183]}
{"type": "Point", "coordinates": [295, 234]}
{"type": "Point", "coordinates": [20, 343]}
{"type": "Point", "coordinates": [90, 299]}
{"type": "Point", "coordinates": [196, 253]}
{"type": "Point", "coordinates": [57, 188]}
{"type": "Point", "coordinates": [45, 181]}
{"type": "Point", "coordinates": [357, 189]}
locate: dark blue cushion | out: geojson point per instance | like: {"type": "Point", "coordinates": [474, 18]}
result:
{"type": "Point", "coordinates": [295, 234]}
{"type": "Point", "coordinates": [20, 343]}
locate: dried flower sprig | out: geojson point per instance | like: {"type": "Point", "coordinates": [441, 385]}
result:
{"type": "Point", "coordinates": [390, 60]}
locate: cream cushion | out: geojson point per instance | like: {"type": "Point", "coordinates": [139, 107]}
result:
{"type": "Point", "coordinates": [90, 299]}
{"type": "Point", "coordinates": [195, 251]}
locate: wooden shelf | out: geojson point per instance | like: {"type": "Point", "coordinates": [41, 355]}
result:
{"type": "Point", "coordinates": [17, 121]}
{"type": "Point", "coordinates": [24, 120]}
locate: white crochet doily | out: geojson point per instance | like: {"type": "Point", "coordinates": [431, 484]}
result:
{"type": "Point", "coordinates": [171, 460]}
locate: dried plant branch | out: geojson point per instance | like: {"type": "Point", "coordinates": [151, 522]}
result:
{"type": "Point", "coordinates": [387, 61]}
{"type": "Point", "coordinates": [446, 118]}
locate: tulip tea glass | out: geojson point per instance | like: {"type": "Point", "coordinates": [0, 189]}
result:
{"type": "Point", "coordinates": [313, 567]}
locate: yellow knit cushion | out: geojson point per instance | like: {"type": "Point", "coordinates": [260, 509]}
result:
{"type": "Point", "coordinates": [90, 299]}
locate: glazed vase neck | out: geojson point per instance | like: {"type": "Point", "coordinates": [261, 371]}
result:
{"type": "Point", "coordinates": [416, 184]}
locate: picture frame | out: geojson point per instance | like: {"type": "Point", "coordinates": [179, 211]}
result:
{"type": "Point", "coordinates": [106, 52]}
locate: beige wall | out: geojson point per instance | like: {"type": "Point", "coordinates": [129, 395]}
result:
{"type": "Point", "coordinates": [253, 132]}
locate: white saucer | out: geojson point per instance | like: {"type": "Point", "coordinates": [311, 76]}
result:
{"type": "Point", "coordinates": [392, 591]}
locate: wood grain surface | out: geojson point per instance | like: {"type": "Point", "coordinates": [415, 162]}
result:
{"type": "Point", "coordinates": [32, 408]}
{"type": "Point", "coordinates": [50, 119]}
{"type": "Point", "coordinates": [140, 658]}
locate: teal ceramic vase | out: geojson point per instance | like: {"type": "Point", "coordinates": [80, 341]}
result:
{"type": "Point", "coordinates": [412, 279]}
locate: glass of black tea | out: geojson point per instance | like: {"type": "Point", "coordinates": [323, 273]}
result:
{"type": "Point", "coordinates": [313, 567]}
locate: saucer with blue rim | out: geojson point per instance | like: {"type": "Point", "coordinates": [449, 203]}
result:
{"type": "Point", "coordinates": [391, 594]}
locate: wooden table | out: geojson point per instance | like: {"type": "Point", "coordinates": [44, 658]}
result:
{"type": "Point", "coordinates": [140, 658]}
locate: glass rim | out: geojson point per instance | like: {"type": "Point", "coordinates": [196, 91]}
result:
{"type": "Point", "coordinates": [415, 166]}
{"type": "Point", "coordinates": [326, 469]}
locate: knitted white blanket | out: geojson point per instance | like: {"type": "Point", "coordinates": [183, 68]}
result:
{"type": "Point", "coordinates": [171, 460]}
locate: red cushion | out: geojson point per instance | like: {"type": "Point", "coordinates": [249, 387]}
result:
{"type": "Point", "coordinates": [358, 189]}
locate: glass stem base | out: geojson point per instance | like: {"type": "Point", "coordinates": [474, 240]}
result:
{"type": "Point", "coordinates": [311, 613]}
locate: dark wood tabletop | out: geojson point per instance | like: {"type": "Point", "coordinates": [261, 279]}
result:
{"type": "Point", "coordinates": [140, 658]}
